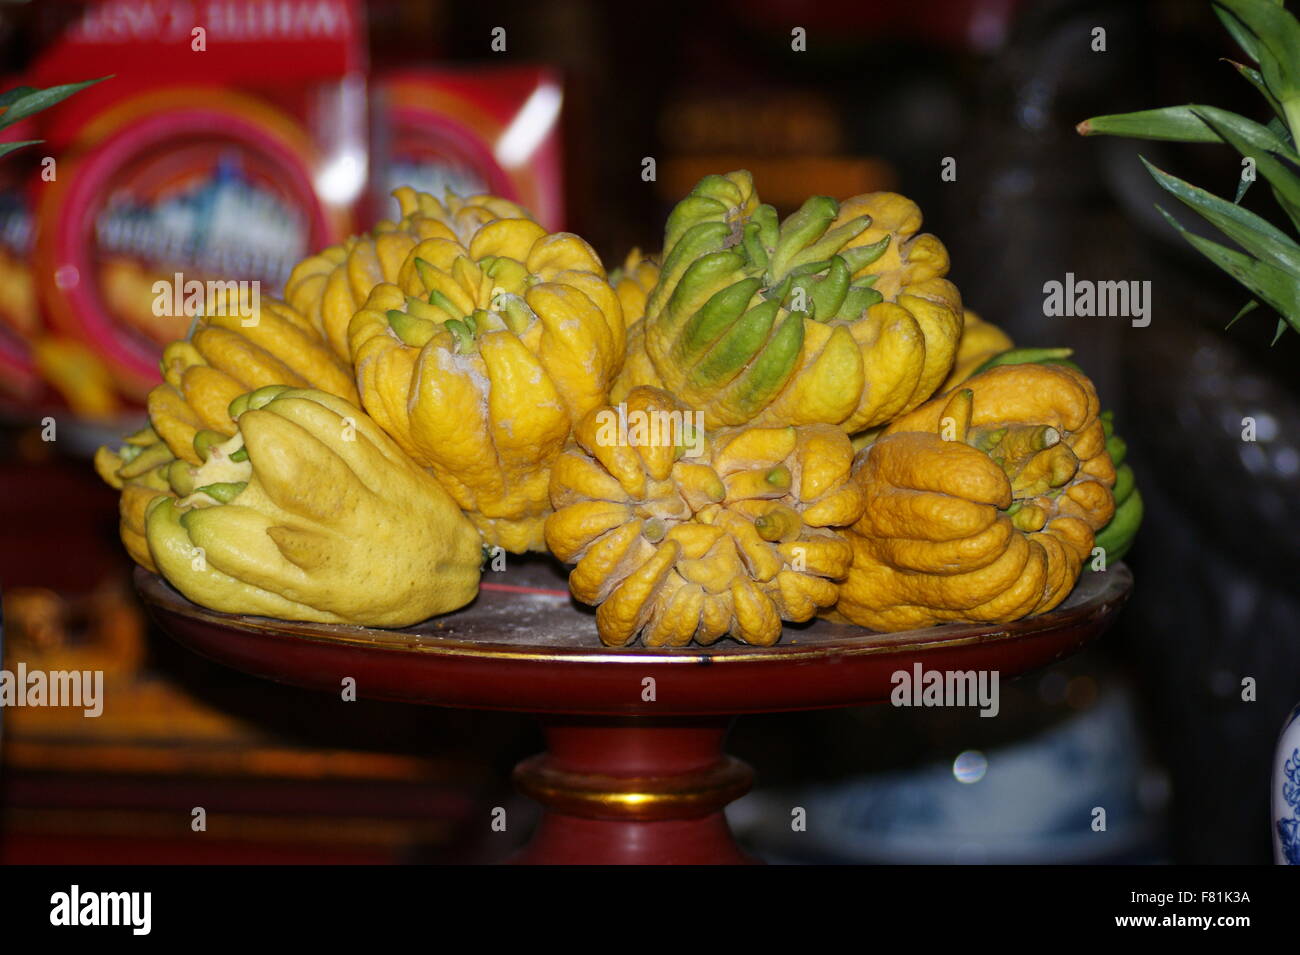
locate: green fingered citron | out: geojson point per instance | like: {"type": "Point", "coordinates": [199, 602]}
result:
{"type": "Point", "coordinates": [840, 314]}
{"type": "Point", "coordinates": [1116, 538]}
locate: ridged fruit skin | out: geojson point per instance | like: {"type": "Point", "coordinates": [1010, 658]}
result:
{"type": "Point", "coordinates": [330, 286]}
{"type": "Point", "coordinates": [980, 341]}
{"type": "Point", "coordinates": [1117, 537]}
{"type": "Point", "coordinates": [633, 282]}
{"type": "Point", "coordinates": [139, 470]}
{"type": "Point", "coordinates": [992, 524]}
{"type": "Point", "coordinates": [839, 315]}
{"type": "Point", "coordinates": [695, 536]}
{"type": "Point", "coordinates": [222, 359]}
{"type": "Point", "coordinates": [479, 360]}
{"type": "Point", "coordinates": [333, 522]}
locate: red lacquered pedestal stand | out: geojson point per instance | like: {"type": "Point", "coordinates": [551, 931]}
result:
{"type": "Point", "coordinates": [634, 770]}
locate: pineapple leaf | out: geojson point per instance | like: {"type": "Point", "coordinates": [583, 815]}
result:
{"type": "Point", "coordinates": [1266, 148]}
{"type": "Point", "coordinates": [7, 148]}
{"type": "Point", "coordinates": [1270, 37]}
{"type": "Point", "coordinates": [1277, 44]}
{"type": "Point", "coordinates": [1175, 123]}
{"type": "Point", "coordinates": [1253, 233]}
{"type": "Point", "coordinates": [1238, 31]}
{"type": "Point", "coordinates": [1189, 124]}
{"type": "Point", "coordinates": [1244, 36]}
{"type": "Point", "coordinates": [17, 93]}
{"type": "Point", "coordinates": [1279, 127]}
{"type": "Point", "coordinates": [1242, 185]}
{"type": "Point", "coordinates": [1281, 327]}
{"type": "Point", "coordinates": [1245, 310]}
{"type": "Point", "coordinates": [1253, 77]}
{"type": "Point", "coordinates": [1271, 284]}
{"type": "Point", "coordinates": [33, 100]}
{"type": "Point", "coordinates": [1231, 128]}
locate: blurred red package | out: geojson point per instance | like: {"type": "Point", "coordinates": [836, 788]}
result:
{"type": "Point", "coordinates": [230, 142]}
{"type": "Point", "coordinates": [473, 130]}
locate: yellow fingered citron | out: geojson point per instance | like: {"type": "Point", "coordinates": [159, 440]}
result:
{"type": "Point", "coordinates": [330, 286]}
{"type": "Point", "coordinates": [310, 512]}
{"type": "Point", "coordinates": [634, 282]}
{"type": "Point", "coordinates": [980, 341]}
{"type": "Point", "coordinates": [479, 359]}
{"type": "Point", "coordinates": [139, 469]}
{"type": "Point", "coordinates": [982, 504]}
{"type": "Point", "coordinates": [225, 356]}
{"type": "Point", "coordinates": [678, 535]}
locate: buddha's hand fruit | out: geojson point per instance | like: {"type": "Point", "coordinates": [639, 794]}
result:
{"type": "Point", "coordinates": [226, 356]}
{"type": "Point", "coordinates": [330, 286]}
{"type": "Point", "coordinates": [1117, 536]}
{"type": "Point", "coordinates": [678, 535]}
{"type": "Point", "coordinates": [138, 468]}
{"type": "Point", "coordinates": [311, 512]}
{"type": "Point", "coordinates": [840, 314]}
{"type": "Point", "coordinates": [479, 360]}
{"type": "Point", "coordinates": [1115, 539]}
{"type": "Point", "coordinates": [633, 283]}
{"type": "Point", "coordinates": [980, 341]}
{"type": "Point", "coordinates": [981, 504]}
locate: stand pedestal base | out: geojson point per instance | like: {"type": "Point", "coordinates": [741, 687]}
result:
{"type": "Point", "coordinates": [633, 791]}
{"type": "Point", "coordinates": [625, 778]}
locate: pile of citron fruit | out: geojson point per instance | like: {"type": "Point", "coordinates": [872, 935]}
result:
{"type": "Point", "coordinates": [771, 420]}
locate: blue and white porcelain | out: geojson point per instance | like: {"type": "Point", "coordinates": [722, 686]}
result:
{"type": "Point", "coordinates": [1286, 793]}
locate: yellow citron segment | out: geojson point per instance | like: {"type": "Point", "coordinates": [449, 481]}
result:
{"type": "Point", "coordinates": [488, 402]}
{"type": "Point", "coordinates": [671, 551]}
{"type": "Point", "coordinates": [334, 524]}
{"type": "Point", "coordinates": [987, 531]}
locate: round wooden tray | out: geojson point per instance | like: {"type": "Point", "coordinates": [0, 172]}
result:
{"type": "Point", "coordinates": [634, 769]}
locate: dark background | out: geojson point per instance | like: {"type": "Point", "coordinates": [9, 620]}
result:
{"type": "Point", "coordinates": [999, 87]}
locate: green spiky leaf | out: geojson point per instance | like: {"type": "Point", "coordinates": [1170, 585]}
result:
{"type": "Point", "coordinates": [1171, 123]}
{"type": "Point", "coordinates": [7, 148]}
{"type": "Point", "coordinates": [1245, 310]}
{"type": "Point", "coordinates": [1253, 77]}
{"type": "Point", "coordinates": [1266, 148]}
{"type": "Point", "coordinates": [26, 101]}
{"type": "Point", "coordinates": [18, 92]}
{"type": "Point", "coordinates": [1276, 46]}
{"type": "Point", "coordinates": [1269, 283]}
{"type": "Point", "coordinates": [1238, 31]}
{"type": "Point", "coordinates": [1194, 123]}
{"type": "Point", "coordinates": [1253, 233]}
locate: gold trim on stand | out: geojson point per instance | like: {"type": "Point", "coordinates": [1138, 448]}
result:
{"type": "Point", "coordinates": [682, 796]}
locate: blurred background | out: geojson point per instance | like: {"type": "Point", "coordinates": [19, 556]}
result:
{"type": "Point", "coordinates": [286, 134]}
